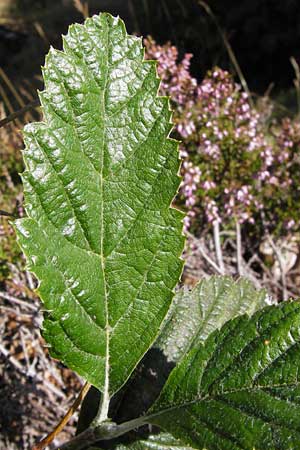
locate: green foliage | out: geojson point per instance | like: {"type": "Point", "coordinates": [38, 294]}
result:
{"type": "Point", "coordinates": [196, 313]}
{"type": "Point", "coordinates": [101, 174]}
{"type": "Point", "coordinates": [241, 388]}
{"type": "Point", "coordinates": [105, 244]}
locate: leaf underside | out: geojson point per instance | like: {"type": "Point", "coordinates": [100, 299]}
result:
{"type": "Point", "coordinates": [100, 176]}
{"type": "Point", "coordinates": [162, 441]}
{"type": "Point", "coordinates": [240, 389]}
{"type": "Point", "coordinates": [196, 313]}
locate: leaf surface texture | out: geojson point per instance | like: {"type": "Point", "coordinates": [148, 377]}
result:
{"type": "Point", "coordinates": [196, 313]}
{"type": "Point", "coordinates": [100, 177]}
{"type": "Point", "coordinates": [240, 389]}
{"type": "Point", "coordinates": [162, 441]}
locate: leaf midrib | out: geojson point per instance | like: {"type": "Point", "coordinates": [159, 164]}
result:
{"type": "Point", "coordinates": [106, 397]}
{"type": "Point", "coordinates": [133, 424]}
{"type": "Point", "coordinates": [216, 396]}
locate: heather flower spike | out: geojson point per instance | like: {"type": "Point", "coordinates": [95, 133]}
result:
{"type": "Point", "coordinates": [233, 167]}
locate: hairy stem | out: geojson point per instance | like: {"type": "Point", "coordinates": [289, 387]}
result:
{"type": "Point", "coordinates": [104, 431]}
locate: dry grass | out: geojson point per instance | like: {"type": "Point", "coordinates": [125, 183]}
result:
{"type": "Point", "coordinates": [36, 391]}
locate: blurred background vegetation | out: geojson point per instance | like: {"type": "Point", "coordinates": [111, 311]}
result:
{"type": "Point", "coordinates": [257, 46]}
{"type": "Point", "coordinates": [263, 34]}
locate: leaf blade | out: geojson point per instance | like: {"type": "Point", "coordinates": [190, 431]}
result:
{"type": "Point", "coordinates": [240, 389]}
{"type": "Point", "coordinates": [100, 176]}
{"type": "Point", "coordinates": [196, 313]}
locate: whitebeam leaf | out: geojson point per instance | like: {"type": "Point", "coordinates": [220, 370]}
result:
{"type": "Point", "coordinates": [241, 388]}
{"type": "Point", "coordinates": [101, 173]}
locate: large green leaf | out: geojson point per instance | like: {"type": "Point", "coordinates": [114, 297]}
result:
{"type": "Point", "coordinates": [100, 177]}
{"type": "Point", "coordinates": [241, 388]}
{"type": "Point", "coordinates": [196, 313]}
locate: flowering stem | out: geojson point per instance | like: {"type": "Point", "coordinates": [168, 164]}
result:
{"type": "Point", "coordinates": [216, 230]}
{"type": "Point", "coordinates": [239, 257]}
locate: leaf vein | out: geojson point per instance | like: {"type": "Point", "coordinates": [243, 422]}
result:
{"type": "Point", "coordinates": [68, 197]}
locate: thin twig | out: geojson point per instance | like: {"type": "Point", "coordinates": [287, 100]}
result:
{"type": "Point", "coordinates": [204, 254]}
{"type": "Point", "coordinates": [48, 439]}
{"type": "Point", "coordinates": [38, 377]}
{"type": "Point", "coordinates": [11, 358]}
{"type": "Point", "coordinates": [24, 348]}
{"type": "Point", "coordinates": [13, 299]}
{"type": "Point", "coordinates": [229, 50]}
{"type": "Point", "coordinates": [20, 112]}
{"type": "Point", "coordinates": [296, 81]}
{"type": "Point", "coordinates": [8, 105]}
{"type": "Point", "coordinates": [105, 431]}
{"type": "Point", "coordinates": [40, 31]}
{"type": "Point", "coordinates": [83, 8]}
{"type": "Point", "coordinates": [6, 214]}
{"type": "Point", "coordinates": [30, 280]}
{"type": "Point", "coordinates": [25, 317]}
{"type": "Point", "coordinates": [11, 88]}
